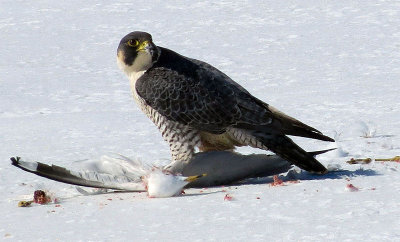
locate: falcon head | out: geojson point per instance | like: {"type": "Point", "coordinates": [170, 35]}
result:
{"type": "Point", "coordinates": [137, 52]}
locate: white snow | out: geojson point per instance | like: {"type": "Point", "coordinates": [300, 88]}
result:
{"type": "Point", "coordinates": [334, 65]}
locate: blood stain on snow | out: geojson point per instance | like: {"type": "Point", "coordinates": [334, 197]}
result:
{"type": "Point", "coordinates": [276, 182]}
{"type": "Point", "coordinates": [351, 188]}
{"type": "Point", "coordinates": [279, 182]}
{"type": "Point", "coordinates": [228, 197]}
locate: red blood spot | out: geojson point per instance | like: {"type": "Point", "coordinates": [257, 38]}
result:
{"type": "Point", "coordinates": [350, 187]}
{"type": "Point", "coordinates": [57, 205]}
{"type": "Point", "coordinates": [276, 182]}
{"type": "Point", "coordinates": [109, 199]}
{"type": "Point", "coordinates": [228, 197]}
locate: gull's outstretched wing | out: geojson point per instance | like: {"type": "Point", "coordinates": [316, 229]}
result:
{"type": "Point", "coordinates": [86, 179]}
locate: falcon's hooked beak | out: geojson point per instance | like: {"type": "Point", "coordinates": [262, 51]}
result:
{"type": "Point", "coordinates": [137, 52]}
{"type": "Point", "coordinates": [145, 46]}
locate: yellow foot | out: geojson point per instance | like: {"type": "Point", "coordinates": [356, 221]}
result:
{"type": "Point", "coordinates": [359, 161]}
{"type": "Point", "coordinates": [368, 160]}
{"type": "Point", "coordinates": [395, 159]}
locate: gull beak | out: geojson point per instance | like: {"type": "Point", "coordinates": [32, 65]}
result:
{"type": "Point", "coordinates": [194, 178]}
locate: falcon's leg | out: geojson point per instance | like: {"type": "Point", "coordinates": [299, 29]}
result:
{"type": "Point", "coordinates": [182, 142]}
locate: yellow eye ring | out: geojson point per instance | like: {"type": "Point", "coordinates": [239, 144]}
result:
{"type": "Point", "coordinates": [133, 43]}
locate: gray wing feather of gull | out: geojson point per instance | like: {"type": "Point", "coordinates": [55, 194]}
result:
{"type": "Point", "coordinates": [221, 167]}
{"type": "Point", "coordinates": [86, 179]}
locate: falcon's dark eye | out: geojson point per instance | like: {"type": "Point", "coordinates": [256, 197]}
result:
{"type": "Point", "coordinates": [133, 43]}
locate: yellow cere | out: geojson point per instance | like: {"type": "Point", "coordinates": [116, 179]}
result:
{"type": "Point", "coordinates": [143, 45]}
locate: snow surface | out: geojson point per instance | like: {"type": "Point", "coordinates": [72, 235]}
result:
{"type": "Point", "coordinates": [334, 65]}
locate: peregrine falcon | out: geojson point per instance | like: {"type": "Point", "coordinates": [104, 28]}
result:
{"type": "Point", "coordinates": [196, 106]}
